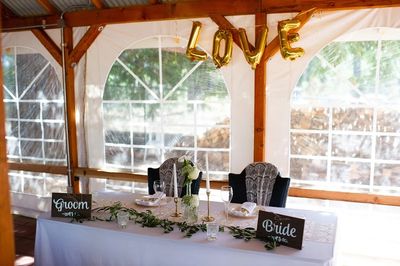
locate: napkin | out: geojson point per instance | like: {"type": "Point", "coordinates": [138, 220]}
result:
{"type": "Point", "coordinates": [248, 207]}
{"type": "Point", "coordinates": [151, 200]}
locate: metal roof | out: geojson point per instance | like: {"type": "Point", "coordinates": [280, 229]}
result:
{"type": "Point", "coordinates": [29, 8]}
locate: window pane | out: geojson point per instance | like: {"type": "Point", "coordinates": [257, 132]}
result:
{"type": "Point", "coordinates": [213, 137]}
{"type": "Point", "coordinates": [387, 175]}
{"type": "Point", "coordinates": [388, 120]}
{"type": "Point", "coordinates": [144, 63]}
{"type": "Point", "coordinates": [29, 110]}
{"type": "Point", "coordinates": [29, 66]}
{"type": "Point", "coordinates": [351, 146]}
{"type": "Point", "coordinates": [34, 186]}
{"type": "Point", "coordinates": [8, 63]}
{"type": "Point", "coordinates": [53, 131]}
{"type": "Point", "coordinates": [147, 157]}
{"type": "Point", "coordinates": [388, 148]}
{"type": "Point", "coordinates": [389, 72]}
{"type": "Point", "coordinates": [32, 130]}
{"type": "Point", "coordinates": [309, 118]}
{"type": "Point", "coordinates": [308, 169]}
{"type": "Point", "coordinates": [53, 111]}
{"type": "Point", "coordinates": [54, 150]}
{"type": "Point", "coordinates": [118, 156]}
{"type": "Point", "coordinates": [217, 161]}
{"type": "Point", "coordinates": [145, 113]}
{"type": "Point", "coordinates": [11, 110]}
{"type": "Point", "coordinates": [309, 144]}
{"type": "Point", "coordinates": [32, 149]}
{"type": "Point", "coordinates": [357, 119]}
{"type": "Point", "coordinates": [178, 136]}
{"type": "Point", "coordinates": [211, 114]}
{"type": "Point", "coordinates": [350, 172]}
{"type": "Point", "coordinates": [178, 113]}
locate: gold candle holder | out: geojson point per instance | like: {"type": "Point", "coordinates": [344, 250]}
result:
{"type": "Point", "coordinates": [208, 218]}
{"type": "Point", "coordinates": [177, 212]}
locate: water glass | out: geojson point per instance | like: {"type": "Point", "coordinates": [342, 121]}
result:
{"type": "Point", "coordinates": [212, 231]}
{"type": "Point", "coordinates": [159, 188]}
{"type": "Point", "coordinates": [226, 196]}
{"type": "Point", "coordinates": [122, 219]}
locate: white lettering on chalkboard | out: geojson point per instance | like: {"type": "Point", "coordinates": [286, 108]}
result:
{"type": "Point", "coordinates": [270, 226]}
{"type": "Point", "coordinates": [68, 205]}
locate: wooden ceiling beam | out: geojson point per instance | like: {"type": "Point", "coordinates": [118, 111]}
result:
{"type": "Point", "coordinates": [50, 9]}
{"type": "Point", "coordinates": [84, 43]}
{"type": "Point", "coordinates": [223, 23]}
{"type": "Point", "coordinates": [98, 4]}
{"type": "Point", "coordinates": [273, 47]}
{"type": "Point", "coordinates": [49, 44]}
{"type": "Point", "coordinates": [190, 9]}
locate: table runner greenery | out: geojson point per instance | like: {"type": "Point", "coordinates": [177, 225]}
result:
{"type": "Point", "coordinates": [148, 219]}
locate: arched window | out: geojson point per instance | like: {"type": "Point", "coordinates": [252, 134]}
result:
{"type": "Point", "coordinates": [345, 116]}
{"type": "Point", "coordinates": [34, 103]}
{"type": "Point", "coordinates": [159, 104]}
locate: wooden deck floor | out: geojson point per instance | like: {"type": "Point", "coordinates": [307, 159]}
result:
{"type": "Point", "coordinates": [24, 233]}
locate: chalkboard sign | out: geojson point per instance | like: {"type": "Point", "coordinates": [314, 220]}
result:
{"type": "Point", "coordinates": [71, 205]}
{"type": "Point", "coordinates": [286, 230]}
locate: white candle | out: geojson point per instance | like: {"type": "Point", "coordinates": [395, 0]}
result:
{"type": "Point", "coordinates": [175, 182]}
{"type": "Point", "coordinates": [208, 176]}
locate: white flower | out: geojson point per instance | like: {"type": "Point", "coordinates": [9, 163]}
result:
{"type": "Point", "coordinates": [194, 174]}
{"type": "Point", "coordinates": [183, 158]}
{"type": "Point", "coordinates": [194, 201]}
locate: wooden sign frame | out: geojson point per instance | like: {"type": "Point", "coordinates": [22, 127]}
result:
{"type": "Point", "coordinates": [286, 230]}
{"type": "Point", "coordinates": [71, 205]}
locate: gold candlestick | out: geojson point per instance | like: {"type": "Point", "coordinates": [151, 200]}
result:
{"type": "Point", "coordinates": [177, 212]}
{"type": "Point", "coordinates": [208, 218]}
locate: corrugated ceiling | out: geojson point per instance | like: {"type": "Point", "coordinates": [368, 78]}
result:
{"type": "Point", "coordinates": [29, 8]}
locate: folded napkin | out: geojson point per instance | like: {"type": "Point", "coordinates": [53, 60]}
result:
{"type": "Point", "coordinates": [245, 210]}
{"type": "Point", "coordinates": [151, 200]}
{"type": "Point", "coordinates": [248, 207]}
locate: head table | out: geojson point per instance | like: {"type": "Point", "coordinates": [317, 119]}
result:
{"type": "Point", "coordinates": [60, 242]}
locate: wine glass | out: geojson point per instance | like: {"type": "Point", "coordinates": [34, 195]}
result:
{"type": "Point", "coordinates": [159, 187]}
{"type": "Point", "coordinates": [226, 196]}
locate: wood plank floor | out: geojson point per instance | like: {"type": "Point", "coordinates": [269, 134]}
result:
{"type": "Point", "coordinates": [24, 233]}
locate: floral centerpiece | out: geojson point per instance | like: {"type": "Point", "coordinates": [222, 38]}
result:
{"type": "Point", "coordinates": [190, 202]}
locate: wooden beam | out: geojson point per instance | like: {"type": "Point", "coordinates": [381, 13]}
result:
{"type": "Point", "coordinates": [260, 83]}
{"type": "Point", "coordinates": [290, 6]}
{"type": "Point", "coordinates": [223, 23]}
{"type": "Point", "coordinates": [84, 43]}
{"type": "Point", "coordinates": [345, 196]}
{"type": "Point", "coordinates": [273, 47]}
{"type": "Point", "coordinates": [70, 101]}
{"type": "Point", "coordinates": [190, 9]}
{"type": "Point", "coordinates": [38, 168]}
{"type": "Point", "coordinates": [7, 250]}
{"type": "Point", "coordinates": [98, 3]}
{"type": "Point", "coordinates": [49, 44]}
{"type": "Point", "coordinates": [125, 176]}
{"type": "Point", "coordinates": [48, 6]}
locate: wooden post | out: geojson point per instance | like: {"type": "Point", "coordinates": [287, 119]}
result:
{"type": "Point", "coordinates": [70, 100]}
{"type": "Point", "coordinates": [7, 249]}
{"type": "Point", "coordinates": [260, 82]}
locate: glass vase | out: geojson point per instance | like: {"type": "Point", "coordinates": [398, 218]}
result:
{"type": "Point", "coordinates": [190, 213]}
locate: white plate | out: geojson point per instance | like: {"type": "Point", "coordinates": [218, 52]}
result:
{"type": "Point", "coordinates": [237, 213]}
{"type": "Point", "coordinates": [150, 202]}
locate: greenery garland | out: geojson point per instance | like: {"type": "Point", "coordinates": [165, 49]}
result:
{"type": "Point", "coordinates": [148, 219]}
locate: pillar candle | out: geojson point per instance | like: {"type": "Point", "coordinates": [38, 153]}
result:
{"type": "Point", "coordinates": [175, 182]}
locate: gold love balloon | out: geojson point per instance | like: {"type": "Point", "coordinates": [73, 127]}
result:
{"type": "Point", "coordinates": [220, 35]}
{"type": "Point", "coordinates": [191, 51]}
{"type": "Point", "coordinates": [253, 57]}
{"type": "Point", "coordinates": [286, 38]}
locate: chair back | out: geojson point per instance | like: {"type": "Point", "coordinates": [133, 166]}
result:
{"type": "Point", "coordinates": [260, 180]}
{"type": "Point", "coordinates": [245, 185]}
{"type": "Point", "coordinates": [165, 173]}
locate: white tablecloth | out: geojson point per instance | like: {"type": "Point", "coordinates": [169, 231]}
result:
{"type": "Point", "coordinates": [60, 242]}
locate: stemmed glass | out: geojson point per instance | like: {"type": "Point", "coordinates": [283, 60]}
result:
{"type": "Point", "coordinates": [159, 187]}
{"type": "Point", "coordinates": [226, 196]}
